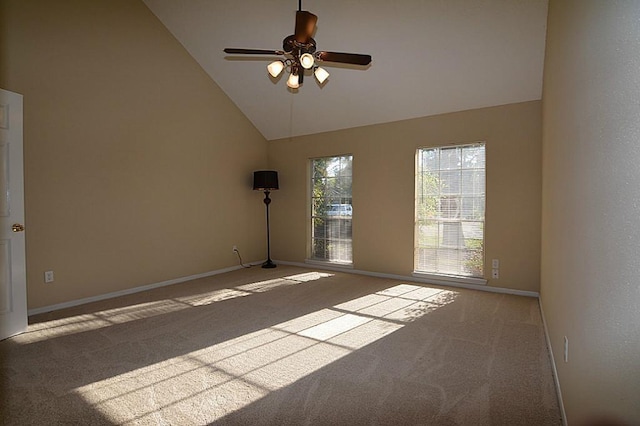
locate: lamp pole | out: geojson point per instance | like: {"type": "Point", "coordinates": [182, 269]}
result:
{"type": "Point", "coordinates": [269, 263]}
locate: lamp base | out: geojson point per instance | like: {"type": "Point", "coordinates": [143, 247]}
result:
{"type": "Point", "coordinates": [269, 264]}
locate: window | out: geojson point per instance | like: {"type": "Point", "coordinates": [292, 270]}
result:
{"type": "Point", "coordinates": [331, 209]}
{"type": "Point", "coordinates": [450, 205]}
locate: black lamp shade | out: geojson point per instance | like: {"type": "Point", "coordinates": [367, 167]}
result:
{"type": "Point", "coordinates": [265, 180]}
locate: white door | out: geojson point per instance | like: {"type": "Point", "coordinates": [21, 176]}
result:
{"type": "Point", "coordinates": [13, 282]}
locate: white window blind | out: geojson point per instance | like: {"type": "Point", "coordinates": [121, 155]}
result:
{"type": "Point", "coordinates": [331, 209]}
{"type": "Point", "coordinates": [450, 208]}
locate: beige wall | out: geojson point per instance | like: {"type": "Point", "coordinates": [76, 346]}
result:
{"type": "Point", "coordinates": [137, 166]}
{"type": "Point", "coordinates": [383, 188]}
{"type": "Point", "coordinates": [590, 287]}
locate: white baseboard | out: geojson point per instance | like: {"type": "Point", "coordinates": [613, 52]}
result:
{"type": "Point", "coordinates": [106, 296]}
{"type": "Point", "coordinates": [318, 265]}
{"type": "Point", "coordinates": [554, 370]}
{"type": "Point", "coordinates": [416, 279]}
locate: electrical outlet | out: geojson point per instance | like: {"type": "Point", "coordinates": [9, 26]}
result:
{"type": "Point", "coordinates": [495, 274]}
{"type": "Point", "coordinates": [566, 349]}
{"type": "Point", "coordinates": [495, 263]}
{"type": "Point", "coordinates": [48, 276]}
{"type": "Point", "coordinates": [235, 249]}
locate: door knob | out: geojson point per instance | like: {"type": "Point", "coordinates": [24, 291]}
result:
{"type": "Point", "coordinates": [16, 227]}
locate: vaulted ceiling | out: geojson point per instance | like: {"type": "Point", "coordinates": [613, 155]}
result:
{"type": "Point", "coordinates": [429, 57]}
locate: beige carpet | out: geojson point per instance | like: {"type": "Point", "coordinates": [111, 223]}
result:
{"type": "Point", "coordinates": [284, 346]}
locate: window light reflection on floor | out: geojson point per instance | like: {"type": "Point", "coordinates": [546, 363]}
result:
{"type": "Point", "coordinates": [257, 363]}
{"type": "Point", "coordinates": [101, 319]}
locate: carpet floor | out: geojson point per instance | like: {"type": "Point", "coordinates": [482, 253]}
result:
{"type": "Point", "coordinates": [286, 346]}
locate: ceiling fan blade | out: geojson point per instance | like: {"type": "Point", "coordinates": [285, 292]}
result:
{"type": "Point", "coordinates": [235, 51]}
{"type": "Point", "coordinates": [305, 25]}
{"type": "Point", "coordinates": [344, 58]}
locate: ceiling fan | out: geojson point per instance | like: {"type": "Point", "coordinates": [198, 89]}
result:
{"type": "Point", "coordinates": [299, 50]}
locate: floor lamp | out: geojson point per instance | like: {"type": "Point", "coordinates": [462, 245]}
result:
{"type": "Point", "coordinates": [266, 180]}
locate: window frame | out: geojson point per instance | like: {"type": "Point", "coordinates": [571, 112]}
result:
{"type": "Point", "coordinates": [311, 259]}
{"type": "Point", "coordinates": [433, 274]}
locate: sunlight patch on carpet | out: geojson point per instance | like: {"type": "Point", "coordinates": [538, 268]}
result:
{"type": "Point", "coordinates": [333, 327]}
{"type": "Point", "coordinates": [96, 320]}
{"type": "Point", "coordinates": [207, 384]}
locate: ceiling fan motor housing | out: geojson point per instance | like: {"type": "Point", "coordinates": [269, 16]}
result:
{"type": "Point", "coordinates": [295, 48]}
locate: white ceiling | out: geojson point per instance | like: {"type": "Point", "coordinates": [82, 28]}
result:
{"type": "Point", "coordinates": [429, 57]}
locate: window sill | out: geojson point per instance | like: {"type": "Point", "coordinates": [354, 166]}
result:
{"type": "Point", "coordinates": [448, 279]}
{"type": "Point", "coordinates": [327, 263]}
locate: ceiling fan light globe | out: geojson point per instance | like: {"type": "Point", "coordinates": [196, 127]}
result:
{"type": "Point", "coordinates": [293, 81]}
{"type": "Point", "coordinates": [306, 60]}
{"type": "Point", "coordinates": [275, 68]}
{"type": "Point", "coordinates": [321, 75]}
